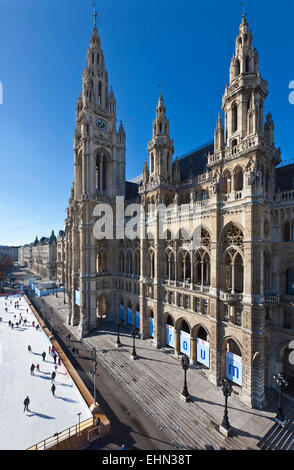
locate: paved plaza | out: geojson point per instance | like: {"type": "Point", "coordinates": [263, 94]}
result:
{"type": "Point", "coordinates": [47, 414]}
{"type": "Point", "coordinates": [155, 380]}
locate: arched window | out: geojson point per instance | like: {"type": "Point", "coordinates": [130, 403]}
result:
{"type": "Point", "coordinates": [101, 262]}
{"type": "Point", "coordinates": [100, 93]}
{"type": "Point", "coordinates": [238, 179]}
{"type": "Point", "coordinates": [237, 68]}
{"type": "Point", "coordinates": [247, 64]}
{"type": "Point", "coordinates": [233, 347]}
{"type": "Point", "coordinates": [150, 264]}
{"type": "Point", "coordinates": [290, 282]}
{"type": "Point", "coordinates": [206, 270]}
{"type": "Point", "coordinates": [266, 272]}
{"type": "Point", "coordinates": [152, 163]}
{"type": "Point", "coordinates": [234, 118]}
{"type": "Point", "coordinates": [287, 232]}
{"type": "Point", "coordinates": [185, 327]}
{"type": "Point", "coordinates": [227, 182]}
{"type": "Point", "coordinates": [122, 262]}
{"type": "Point", "coordinates": [137, 263]}
{"type": "Point", "coordinates": [202, 334]}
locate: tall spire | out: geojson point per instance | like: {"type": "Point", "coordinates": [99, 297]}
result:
{"type": "Point", "coordinates": [243, 14]}
{"type": "Point", "coordinates": [95, 15]}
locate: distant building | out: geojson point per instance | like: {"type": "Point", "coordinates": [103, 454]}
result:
{"type": "Point", "coordinates": [11, 251]}
{"type": "Point", "coordinates": [40, 256]}
{"type": "Point", "coordinates": [60, 266]}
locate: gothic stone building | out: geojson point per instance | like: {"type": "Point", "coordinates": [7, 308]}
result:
{"type": "Point", "coordinates": [228, 304]}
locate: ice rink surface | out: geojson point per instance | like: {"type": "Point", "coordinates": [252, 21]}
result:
{"type": "Point", "coordinates": [47, 414]}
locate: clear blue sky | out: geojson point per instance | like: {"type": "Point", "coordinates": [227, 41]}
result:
{"type": "Point", "coordinates": [185, 46]}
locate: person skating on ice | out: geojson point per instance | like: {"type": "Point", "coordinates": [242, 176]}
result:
{"type": "Point", "coordinates": [43, 355]}
{"type": "Point", "coordinates": [53, 389]}
{"type": "Point", "coordinates": [26, 404]}
{"type": "Point", "coordinates": [32, 369]}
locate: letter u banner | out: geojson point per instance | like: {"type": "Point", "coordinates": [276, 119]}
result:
{"type": "Point", "coordinates": [170, 336]}
{"type": "Point", "coordinates": [203, 352]}
{"type": "Point", "coordinates": [234, 368]}
{"type": "Point", "coordinates": [122, 312]}
{"type": "Point", "coordinates": [77, 298]}
{"type": "Point", "coordinates": [130, 316]}
{"type": "Point", "coordinates": [138, 320]}
{"type": "Point", "coordinates": [151, 327]}
{"type": "Point", "coordinates": [185, 343]}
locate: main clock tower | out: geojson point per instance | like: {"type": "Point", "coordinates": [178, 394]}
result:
{"type": "Point", "coordinates": [99, 148]}
{"type": "Point", "coordinates": [99, 176]}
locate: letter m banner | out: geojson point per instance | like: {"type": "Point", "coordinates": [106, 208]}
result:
{"type": "Point", "coordinates": [234, 368]}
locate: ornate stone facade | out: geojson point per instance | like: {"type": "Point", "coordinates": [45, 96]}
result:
{"type": "Point", "coordinates": [235, 291]}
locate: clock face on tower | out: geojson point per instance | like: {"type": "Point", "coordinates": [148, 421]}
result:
{"type": "Point", "coordinates": [101, 124]}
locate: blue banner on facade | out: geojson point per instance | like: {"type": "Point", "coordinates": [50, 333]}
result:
{"type": "Point", "coordinates": [122, 312]}
{"type": "Point", "coordinates": [203, 353]}
{"type": "Point", "coordinates": [77, 298]}
{"type": "Point", "coordinates": [185, 343]}
{"type": "Point", "coordinates": [234, 368]}
{"type": "Point", "coordinates": [170, 336]}
{"type": "Point", "coordinates": [130, 316]}
{"type": "Point", "coordinates": [138, 320]}
{"type": "Point", "coordinates": [151, 327]}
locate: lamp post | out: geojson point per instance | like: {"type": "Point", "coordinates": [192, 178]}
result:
{"type": "Point", "coordinates": [42, 309]}
{"type": "Point", "coordinates": [52, 321]}
{"type": "Point", "coordinates": [79, 415]}
{"type": "Point", "coordinates": [118, 323]}
{"type": "Point", "coordinates": [282, 384]}
{"type": "Point", "coordinates": [134, 333]}
{"type": "Point", "coordinates": [225, 427]}
{"type": "Point", "coordinates": [94, 359]}
{"type": "Point", "coordinates": [185, 365]}
{"type": "Point", "coordinates": [64, 295]}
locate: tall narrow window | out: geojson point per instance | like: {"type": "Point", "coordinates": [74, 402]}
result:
{"type": "Point", "coordinates": [234, 118]}
{"type": "Point", "coordinates": [100, 94]}
{"type": "Point", "coordinates": [152, 163]}
{"type": "Point", "coordinates": [287, 232]}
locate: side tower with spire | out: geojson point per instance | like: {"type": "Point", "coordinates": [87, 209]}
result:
{"type": "Point", "coordinates": [244, 159]}
{"type": "Point", "coordinates": [99, 176]}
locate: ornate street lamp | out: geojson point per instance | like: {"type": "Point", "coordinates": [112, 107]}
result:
{"type": "Point", "coordinates": [282, 385]}
{"type": "Point", "coordinates": [185, 365]}
{"type": "Point", "coordinates": [134, 334]}
{"type": "Point", "coordinates": [118, 323]}
{"type": "Point", "coordinates": [225, 427]}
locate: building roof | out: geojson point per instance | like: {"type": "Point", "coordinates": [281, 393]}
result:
{"type": "Point", "coordinates": [131, 190]}
{"type": "Point", "coordinates": [285, 178]}
{"type": "Point", "coordinates": [194, 163]}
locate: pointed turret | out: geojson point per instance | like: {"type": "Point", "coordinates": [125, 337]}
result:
{"type": "Point", "coordinates": [218, 134]}
{"type": "Point", "coordinates": [176, 172]}
{"type": "Point", "coordinates": [145, 173]}
{"type": "Point", "coordinates": [161, 147]}
{"type": "Point", "coordinates": [95, 77]}
{"type": "Point", "coordinates": [269, 130]}
{"type": "Point", "coordinates": [243, 101]}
